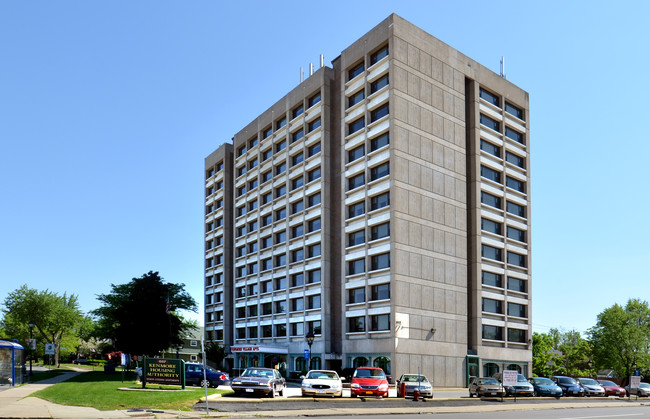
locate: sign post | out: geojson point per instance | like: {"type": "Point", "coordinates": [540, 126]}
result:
{"type": "Point", "coordinates": [163, 371]}
{"type": "Point", "coordinates": [510, 380]}
{"type": "Point", "coordinates": [635, 380]}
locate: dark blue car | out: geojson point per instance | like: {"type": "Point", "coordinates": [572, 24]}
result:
{"type": "Point", "coordinates": [194, 376]}
{"type": "Point", "coordinates": [569, 386]}
{"type": "Point", "coordinates": [545, 387]}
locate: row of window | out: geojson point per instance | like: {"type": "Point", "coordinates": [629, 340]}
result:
{"type": "Point", "coordinates": [495, 150]}
{"type": "Point", "coordinates": [376, 172]}
{"type": "Point", "coordinates": [277, 330]}
{"type": "Point", "coordinates": [377, 293]}
{"type": "Point", "coordinates": [375, 115]}
{"type": "Point", "coordinates": [279, 284]}
{"type": "Point", "coordinates": [496, 202]}
{"type": "Point", "coordinates": [377, 262]}
{"type": "Point", "coordinates": [496, 333]}
{"type": "Point", "coordinates": [311, 302]}
{"type": "Point", "coordinates": [279, 261]}
{"type": "Point", "coordinates": [378, 323]}
{"type": "Point", "coordinates": [496, 280]}
{"type": "Point", "coordinates": [496, 176]}
{"type": "Point", "coordinates": [376, 232]}
{"type": "Point", "coordinates": [496, 101]}
{"type": "Point", "coordinates": [280, 214]}
{"type": "Point", "coordinates": [213, 170]}
{"type": "Point", "coordinates": [374, 58]}
{"type": "Point", "coordinates": [212, 189]}
{"type": "Point", "coordinates": [495, 253]}
{"type": "Point", "coordinates": [489, 305]}
{"type": "Point", "coordinates": [495, 227]}
{"type": "Point", "coordinates": [281, 123]}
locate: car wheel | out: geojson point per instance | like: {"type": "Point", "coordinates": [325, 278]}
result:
{"type": "Point", "coordinates": [470, 395]}
{"type": "Point", "coordinates": [282, 392]}
{"type": "Point", "coordinates": [558, 397]}
{"type": "Point", "coordinates": [272, 393]}
{"type": "Point", "coordinates": [535, 393]}
{"type": "Point", "coordinates": [206, 381]}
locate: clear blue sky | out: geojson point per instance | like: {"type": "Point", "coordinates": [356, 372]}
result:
{"type": "Point", "coordinates": [108, 109]}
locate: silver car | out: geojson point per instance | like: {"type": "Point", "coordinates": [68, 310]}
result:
{"type": "Point", "coordinates": [407, 384]}
{"type": "Point", "coordinates": [592, 387]}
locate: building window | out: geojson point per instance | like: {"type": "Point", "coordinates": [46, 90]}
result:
{"type": "Point", "coordinates": [313, 150]}
{"type": "Point", "coordinates": [252, 205]}
{"type": "Point", "coordinates": [297, 280]}
{"type": "Point", "coordinates": [266, 198]}
{"type": "Point", "coordinates": [266, 154]}
{"type": "Point", "coordinates": [252, 226]}
{"type": "Point", "coordinates": [241, 190]}
{"type": "Point", "coordinates": [297, 111]}
{"type": "Point", "coordinates": [491, 200]}
{"type": "Point", "coordinates": [297, 304]}
{"type": "Point", "coordinates": [380, 171]}
{"type": "Point", "coordinates": [516, 310]}
{"type": "Point", "coordinates": [314, 99]}
{"type": "Point", "coordinates": [379, 231]}
{"type": "Point", "coordinates": [298, 329]}
{"type": "Point", "coordinates": [280, 284]}
{"type": "Point", "coordinates": [252, 332]}
{"type": "Point", "coordinates": [380, 261]}
{"type": "Point", "coordinates": [209, 173]}
{"type": "Point", "coordinates": [356, 153]}
{"type": "Point", "coordinates": [312, 175]}
{"type": "Point", "coordinates": [515, 159]}
{"type": "Point", "coordinates": [240, 292]}
{"type": "Point", "coordinates": [356, 295]}
{"type": "Point", "coordinates": [297, 231]}
{"type": "Point", "coordinates": [280, 123]}
{"type": "Point", "coordinates": [515, 209]}
{"type": "Point", "coordinates": [241, 171]}
{"type": "Point", "coordinates": [356, 266]}
{"type": "Point", "coordinates": [491, 306]}
{"type": "Point", "coordinates": [267, 308]}
{"type": "Point", "coordinates": [313, 125]}
{"type": "Point", "coordinates": [491, 252]}
{"type": "Point", "coordinates": [314, 326]}
{"type": "Point", "coordinates": [356, 125]}
{"type": "Point", "coordinates": [266, 176]}
{"type": "Point", "coordinates": [356, 324]}
{"type": "Point", "coordinates": [492, 332]}
{"type": "Point", "coordinates": [252, 270]}
{"type": "Point", "coordinates": [515, 111]}
{"type": "Point", "coordinates": [490, 148]}
{"type": "Point", "coordinates": [313, 276]}
{"type": "Point", "coordinates": [280, 168]}
{"type": "Point", "coordinates": [241, 151]}
{"type": "Point", "coordinates": [488, 97]}
{"type": "Point", "coordinates": [297, 183]}
{"type": "Point", "coordinates": [356, 98]}
{"type": "Point", "coordinates": [491, 279]}
{"type": "Point", "coordinates": [280, 146]}
{"type": "Point", "coordinates": [379, 142]}
{"type": "Point", "coordinates": [313, 250]}
{"type": "Point", "coordinates": [516, 259]}
{"type": "Point", "coordinates": [380, 322]}
{"type": "Point", "coordinates": [357, 237]}
{"type": "Point", "coordinates": [252, 164]}
{"type": "Point", "coordinates": [516, 234]}
{"type": "Point", "coordinates": [252, 184]}
{"type": "Point", "coordinates": [490, 123]}
{"type": "Point", "coordinates": [297, 255]}
{"type": "Point", "coordinates": [355, 71]}
{"type": "Point", "coordinates": [380, 292]}
{"type": "Point", "coordinates": [240, 231]}
{"type": "Point", "coordinates": [490, 226]}
{"type": "Point", "coordinates": [313, 225]}
{"type": "Point", "coordinates": [313, 199]}
{"type": "Point", "coordinates": [280, 191]}
{"type": "Point", "coordinates": [376, 56]}
{"type": "Point", "coordinates": [514, 135]}
{"type": "Point", "coordinates": [267, 331]}
{"type": "Point", "coordinates": [313, 302]}
{"type": "Point", "coordinates": [516, 335]}
{"type": "Point", "coordinates": [490, 174]}
{"type": "Point", "coordinates": [252, 311]}
{"type": "Point", "coordinates": [266, 242]}
{"type": "Point", "coordinates": [267, 132]}
{"type": "Point", "coordinates": [379, 84]}
{"type": "Point", "coordinates": [280, 214]}
{"type": "Point", "coordinates": [356, 209]}
{"type": "Point", "coordinates": [297, 159]}
{"type": "Point", "coordinates": [280, 237]}
{"type": "Point", "coordinates": [266, 264]}
{"type": "Point", "coordinates": [356, 181]}
{"type": "Point", "coordinates": [379, 113]}
{"type": "Point", "coordinates": [515, 184]}
{"type": "Point", "coordinates": [297, 135]}
{"type": "Point", "coordinates": [515, 284]}
{"type": "Point", "coordinates": [241, 333]}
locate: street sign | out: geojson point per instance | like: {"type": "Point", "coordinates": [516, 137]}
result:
{"type": "Point", "coordinates": [509, 378]}
{"type": "Point", "coordinates": [306, 354]}
{"type": "Point", "coordinates": [635, 380]}
{"type": "Point", "coordinates": [49, 349]}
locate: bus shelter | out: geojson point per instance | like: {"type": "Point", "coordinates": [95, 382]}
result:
{"type": "Point", "coordinates": [12, 364]}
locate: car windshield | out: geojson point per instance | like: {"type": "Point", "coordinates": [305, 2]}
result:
{"type": "Point", "coordinates": [644, 385]}
{"type": "Point", "coordinates": [492, 381]}
{"type": "Point", "coordinates": [543, 381]}
{"type": "Point", "coordinates": [588, 381]}
{"type": "Point", "coordinates": [567, 380]}
{"type": "Point", "coordinates": [369, 373]}
{"type": "Point", "coordinates": [322, 375]}
{"type": "Point", "coordinates": [253, 372]}
{"type": "Point", "coordinates": [414, 379]}
{"type": "Point", "coordinates": [521, 379]}
{"type": "Point", "coordinates": [608, 383]}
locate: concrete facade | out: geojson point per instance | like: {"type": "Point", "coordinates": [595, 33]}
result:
{"type": "Point", "coordinates": [418, 268]}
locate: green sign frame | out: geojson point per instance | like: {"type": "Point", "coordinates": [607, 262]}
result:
{"type": "Point", "coordinates": [163, 371]}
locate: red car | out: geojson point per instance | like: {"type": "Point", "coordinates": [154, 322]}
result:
{"type": "Point", "coordinates": [612, 389]}
{"type": "Point", "coordinates": [369, 381]}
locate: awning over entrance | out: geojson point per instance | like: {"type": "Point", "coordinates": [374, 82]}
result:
{"type": "Point", "coordinates": [259, 349]}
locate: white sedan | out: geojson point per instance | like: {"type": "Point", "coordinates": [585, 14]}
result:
{"type": "Point", "coordinates": [321, 383]}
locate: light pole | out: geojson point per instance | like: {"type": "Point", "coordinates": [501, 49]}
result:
{"type": "Point", "coordinates": [178, 348]}
{"type": "Point", "coordinates": [31, 345]}
{"type": "Point", "coordinates": [310, 341]}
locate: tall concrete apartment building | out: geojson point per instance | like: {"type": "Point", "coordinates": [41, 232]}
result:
{"type": "Point", "coordinates": [382, 205]}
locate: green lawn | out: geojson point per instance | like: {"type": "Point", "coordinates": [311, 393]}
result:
{"type": "Point", "coordinates": [99, 390]}
{"type": "Point", "coordinates": [44, 375]}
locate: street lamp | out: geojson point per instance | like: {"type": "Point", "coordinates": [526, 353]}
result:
{"type": "Point", "coordinates": [634, 368]}
{"type": "Point", "coordinates": [310, 341]}
{"type": "Point", "coordinates": [31, 351]}
{"type": "Point", "coordinates": [178, 348]}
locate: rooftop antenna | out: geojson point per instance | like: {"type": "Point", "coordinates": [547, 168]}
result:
{"type": "Point", "coordinates": [322, 61]}
{"type": "Point", "coordinates": [503, 67]}
{"type": "Point", "coordinates": [302, 75]}
{"type": "Point", "coordinates": [311, 69]}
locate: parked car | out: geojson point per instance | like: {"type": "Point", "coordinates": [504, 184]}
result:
{"type": "Point", "coordinates": [369, 381]}
{"type": "Point", "coordinates": [407, 384]}
{"type": "Point", "coordinates": [569, 386]}
{"type": "Point", "coordinates": [214, 378]}
{"type": "Point", "coordinates": [591, 386]}
{"type": "Point", "coordinates": [545, 387]}
{"type": "Point", "coordinates": [612, 389]}
{"type": "Point", "coordinates": [257, 380]}
{"type": "Point", "coordinates": [522, 388]}
{"type": "Point", "coordinates": [485, 386]}
{"type": "Point", "coordinates": [80, 361]}
{"type": "Point", "coordinates": [642, 391]}
{"type": "Point", "coordinates": [321, 383]}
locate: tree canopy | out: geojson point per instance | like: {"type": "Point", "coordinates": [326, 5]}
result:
{"type": "Point", "coordinates": [621, 337]}
{"type": "Point", "coordinates": [561, 352]}
{"type": "Point", "coordinates": [54, 316]}
{"type": "Point", "coordinates": [141, 316]}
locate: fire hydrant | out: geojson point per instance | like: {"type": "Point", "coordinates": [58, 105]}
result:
{"type": "Point", "coordinates": [416, 395]}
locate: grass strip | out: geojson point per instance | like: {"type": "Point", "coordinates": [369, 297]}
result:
{"type": "Point", "coordinates": [101, 391]}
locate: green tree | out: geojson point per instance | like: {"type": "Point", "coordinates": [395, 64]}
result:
{"type": "Point", "coordinates": [141, 316]}
{"type": "Point", "coordinates": [543, 355]}
{"type": "Point", "coordinates": [215, 353]}
{"type": "Point", "coordinates": [54, 316]}
{"type": "Point", "coordinates": [621, 337]}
